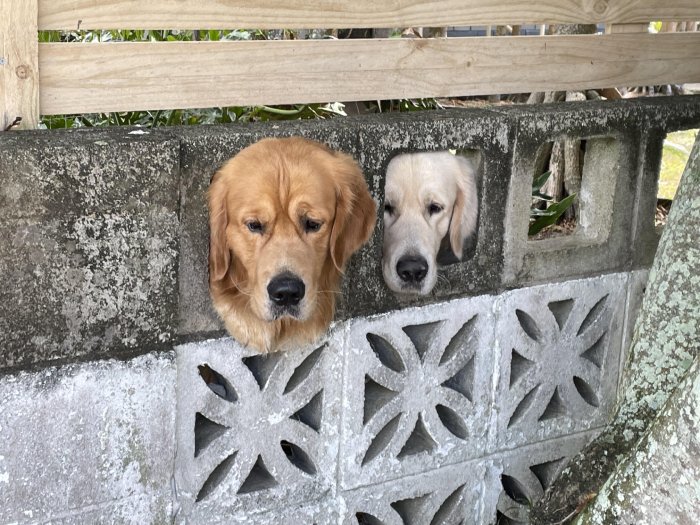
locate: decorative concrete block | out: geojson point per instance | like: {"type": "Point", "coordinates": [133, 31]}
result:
{"type": "Point", "coordinates": [636, 287]}
{"type": "Point", "coordinates": [254, 431]}
{"type": "Point", "coordinates": [559, 349]}
{"type": "Point", "coordinates": [522, 476]}
{"type": "Point", "coordinates": [417, 390]}
{"type": "Point", "coordinates": [88, 438]}
{"type": "Point", "coordinates": [447, 496]}
{"type": "Point", "coordinates": [140, 509]}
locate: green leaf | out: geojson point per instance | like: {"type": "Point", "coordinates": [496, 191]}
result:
{"type": "Point", "coordinates": [540, 181]}
{"type": "Point", "coordinates": [556, 210]}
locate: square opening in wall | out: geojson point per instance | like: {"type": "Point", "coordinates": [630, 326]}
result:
{"type": "Point", "coordinates": [430, 212]}
{"type": "Point", "coordinates": [674, 157]}
{"type": "Point", "coordinates": [573, 188]}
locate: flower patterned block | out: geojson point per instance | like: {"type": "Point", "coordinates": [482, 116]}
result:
{"type": "Point", "coordinates": [448, 496]}
{"type": "Point", "coordinates": [254, 430]}
{"type": "Point", "coordinates": [522, 477]}
{"type": "Point", "coordinates": [416, 390]}
{"type": "Point", "coordinates": [559, 347]}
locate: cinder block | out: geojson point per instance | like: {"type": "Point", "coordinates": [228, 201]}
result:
{"type": "Point", "coordinates": [448, 496]}
{"type": "Point", "coordinates": [204, 150]}
{"type": "Point", "coordinates": [140, 509]}
{"type": "Point", "coordinates": [417, 390]}
{"type": "Point", "coordinates": [261, 434]}
{"type": "Point", "coordinates": [90, 237]}
{"type": "Point", "coordinates": [382, 138]}
{"type": "Point", "coordinates": [519, 478]}
{"type": "Point", "coordinates": [87, 438]}
{"type": "Point", "coordinates": [636, 287]}
{"type": "Point", "coordinates": [559, 349]}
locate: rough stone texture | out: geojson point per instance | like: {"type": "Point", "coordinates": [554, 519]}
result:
{"type": "Point", "coordinates": [417, 390]}
{"type": "Point", "coordinates": [264, 433]}
{"type": "Point", "coordinates": [89, 229]}
{"type": "Point", "coordinates": [665, 342]}
{"type": "Point", "coordinates": [659, 481]}
{"type": "Point", "coordinates": [84, 442]}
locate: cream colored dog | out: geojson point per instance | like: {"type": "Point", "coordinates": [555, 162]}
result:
{"type": "Point", "coordinates": [428, 195]}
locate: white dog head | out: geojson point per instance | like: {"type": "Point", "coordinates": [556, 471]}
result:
{"type": "Point", "coordinates": [427, 195]}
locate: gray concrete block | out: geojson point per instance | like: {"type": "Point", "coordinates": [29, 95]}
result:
{"type": "Point", "coordinates": [83, 439]}
{"type": "Point", "coordinates": [519, 478]}
{"type": "Point", "coordinates": [449, 496]}
{"type": "Point", "coordinates": [636, 287]}
{"type": "Point", "coordinates": [92, 285]}
{"type": "Point", "coordinates": [559, 349]}
{"type": "Point", "coordinates": [204, 150]}
{"type": "Point", "coordinates": [417, 389]}
{"type": "Point", "coordinates": [90, 238]}
{"type": "Point", "coordinates": [262, 433]}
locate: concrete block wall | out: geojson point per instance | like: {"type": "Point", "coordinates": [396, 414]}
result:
{"type": "Point", "coordinates": [460, 406]}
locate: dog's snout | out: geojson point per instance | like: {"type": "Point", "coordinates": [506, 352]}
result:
{"type": "Point", "coordinates": [412, 268]}
{"type": "Point", "coordinates": [286, 290]}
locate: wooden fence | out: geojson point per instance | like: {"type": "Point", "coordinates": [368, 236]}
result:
{"type": "Point", "coordinates": [59, 78]}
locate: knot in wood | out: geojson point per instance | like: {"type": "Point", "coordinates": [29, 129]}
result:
{"type": "Point", "coordinates": [600, 6]}
{"type": "Point", "coordinates": [22, 71]}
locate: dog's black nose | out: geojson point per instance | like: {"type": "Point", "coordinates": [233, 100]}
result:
{"type": "Point", "coordinates": [286, 290]}
{"type": "Point", "coordinates": [412, 268]}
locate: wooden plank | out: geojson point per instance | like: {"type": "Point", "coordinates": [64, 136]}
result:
{"type": "Point", "coordinates": [19, 75]}
{"type": "Point", "coordinates": [77, 78]}
{"type": "Point", "coordinates": [304, 14]}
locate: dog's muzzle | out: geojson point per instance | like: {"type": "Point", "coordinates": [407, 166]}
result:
{"type": "Point", "coordinates": [286, 291]}
{"type": "Point", "coordinates": [412, 269]}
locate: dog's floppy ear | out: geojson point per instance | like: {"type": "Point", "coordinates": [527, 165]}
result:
{"type": "Point", "coordinates": [466, 208]}
{"type": "Point", "coordinates": [219, 254]}
{"type": "Point", "coordinates": [355, 213]}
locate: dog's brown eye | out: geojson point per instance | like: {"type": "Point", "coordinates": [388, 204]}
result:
{"type": "Point", "coordinates": [434, 208]}
{"type": "Point", "coordinates": [255, 226]}
{"type": "Point", "coordinates": [311, 226]}
{"type": "Point", "coordinates": [388, 208]}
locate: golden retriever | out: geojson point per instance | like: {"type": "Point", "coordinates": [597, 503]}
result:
{"type": "Point", "coordinates": [285, 214]}
{"type": "Point", "coordinates": [427, 195]}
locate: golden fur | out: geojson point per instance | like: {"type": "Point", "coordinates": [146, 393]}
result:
{"type": "Point", "coordinates": [264, 206]}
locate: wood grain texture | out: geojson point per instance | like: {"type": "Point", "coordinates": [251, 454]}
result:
{"type": "Point", "coordinates": [77, 78]}
{"type": "Point", "coordinates": [19, 76]}
{"type": "Point", "coordinates": [306, 14]}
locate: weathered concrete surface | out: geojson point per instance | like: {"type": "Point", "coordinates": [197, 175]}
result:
{"type": "Point", "coordinates": [89, 250]}
{"type": "Point", "coordinates": [666, 340]}
{"type": "Point", "coordinates": [659, 481]}
{"type": "Point", "coordinates": [88, 443]}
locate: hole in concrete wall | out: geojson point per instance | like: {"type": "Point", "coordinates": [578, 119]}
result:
{"type": "Point", "coordinates": [386, 353]}
{"type": "Point", "coordinates": [528, 324]}
{"type": "Point", "coordinates": [596, 352]}
{"type": "Point", "coordinates": [298, 457]}
{"type": "Point", "coordinates": [514, 490]}
{"type": "Point", "coordinates": [381, 440]}
{"type": "Point", "coordinates": [586, 392]}
{"type": "Point", "coordinates": [460, 341]}
{"type": "Point", "coordinates": [367, 519]}
{"type": "Point", "coordinates": [303, 370]}
{"type": "Point", "coordinates": [422, 336]}
{"type": "Point", "coordinates": [561, 311]}
{"type": "Point", "coordinates": [519, 366]}
{"type": "Point", "coordinates": [547, 472]}
{"type": "Point", "coordinates": [217, 383]}
{"type": "Point", "coordinates": [463, 381]}
{"type": "Point", "coordinates": [572, 192]}
{"type": "Point", "coordinates": [555, 407]}
{"type": "Point", "coordinates": [452, 421]}
{"type": "Point", "coordinates": [419, 441]}
{"type": "Point", "coordinates": [262, 366]}
{"type": "Point", "coordinates": [259, 478]}
{"type": "Point", "coordinates": [674, 158]}
{"type": "Point", "coordinates": [412, 509]}
{"type": "Point", "coordinates": [216, 477]}
{"type": "Point", "coordinates": [447, 507]}
{"type": "Point", "coordinates": [593, 315]}
{"type": "Point", "coordinates": [376, 397]}
{"type": "Point", "coordinates": [522, 408]}
{"type": "Point", "coordinates": [206, 432]}
{"type": "Point", "coordinates": [311, 414]}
